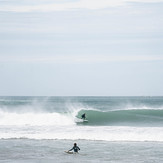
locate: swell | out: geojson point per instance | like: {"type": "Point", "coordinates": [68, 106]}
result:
{"type": "Point", "coordinates": [144, 117]}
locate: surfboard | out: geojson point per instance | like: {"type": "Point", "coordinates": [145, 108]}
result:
{"type": "Point", "coordinates": [80, 120]}
{"type": "Point", "coordinates": [71, 152]}
{"type": "Point", "coordinates": [68, 152]}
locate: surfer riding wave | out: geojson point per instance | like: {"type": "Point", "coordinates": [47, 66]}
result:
{"type": "Point", "coordinates": [83, 116]}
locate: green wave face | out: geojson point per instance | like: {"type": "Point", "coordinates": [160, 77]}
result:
{"type": "Point", "coordinates": [134, 117]}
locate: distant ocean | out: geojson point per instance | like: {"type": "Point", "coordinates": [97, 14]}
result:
{"type": "Point", "coordinates": [119, 129]}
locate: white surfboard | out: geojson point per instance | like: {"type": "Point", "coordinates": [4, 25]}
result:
{"type": "Point", "coordinates": [79, 120]}
{"type": "Point", "coordinates": [71, 152]}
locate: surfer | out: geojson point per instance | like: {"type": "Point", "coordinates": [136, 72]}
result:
{"type": "Point", "coordinates": [83, 116]}
{"type": "Point", "coordinates": [75, 148]}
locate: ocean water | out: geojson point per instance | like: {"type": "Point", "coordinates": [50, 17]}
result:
{"type": "Point", "coordinates": [119, 129]}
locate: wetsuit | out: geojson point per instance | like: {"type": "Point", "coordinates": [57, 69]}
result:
{"type": "Point", "coordinates": [75, 148]}
{"type": "Point", "coordinates": [83, 116]}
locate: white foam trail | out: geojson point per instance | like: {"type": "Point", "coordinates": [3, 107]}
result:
{"type": "Point", "coordinates": [85, 132]}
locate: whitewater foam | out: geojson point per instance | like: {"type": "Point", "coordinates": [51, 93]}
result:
{"type": "Point", "coordinates": [106, 133]}
{"type": "Point", "coordinates": [35, 119]}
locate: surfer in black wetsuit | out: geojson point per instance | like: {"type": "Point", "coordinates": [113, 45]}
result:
{"type": "Point", "coordinates": [75, 148]}
{"type": "Point", "coordinates": [83, 116]}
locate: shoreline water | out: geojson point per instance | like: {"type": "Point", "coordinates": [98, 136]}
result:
{"type": "Point", "coordinates": [27, 150]}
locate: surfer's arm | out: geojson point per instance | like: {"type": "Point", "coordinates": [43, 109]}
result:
{"type": "Point", "coordinates": [71, 149]}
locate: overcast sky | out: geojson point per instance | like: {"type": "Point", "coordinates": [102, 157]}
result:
{"type": "Point", "coordinates": [81, 47]}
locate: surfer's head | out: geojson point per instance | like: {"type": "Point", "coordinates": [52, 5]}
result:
{"type": "Point", "coordinates": [75, 144]}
